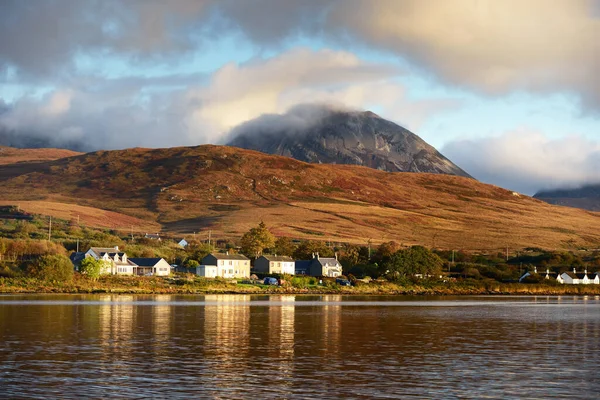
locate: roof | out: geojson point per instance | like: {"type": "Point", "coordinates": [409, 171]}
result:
{"type": "Point", "coordinates": [223, 256]}
{"type": "Point", "coordinates": [278, 258]}
{"type": "Point", "coordinates": [99, 250]}
{"type": "Point", "coordinates": [112, 254]}
{"type": "Point", "coordinates": [328, 261]}
{"type": "Point", "coordinates": [145, 262]}
{"type": "Point", "coordinates": [570, 274]}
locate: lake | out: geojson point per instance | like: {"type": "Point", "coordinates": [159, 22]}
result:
{"type": "Point", "coordinates": [246, 346]}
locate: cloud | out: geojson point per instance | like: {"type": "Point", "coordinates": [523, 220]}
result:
{"type": "Point", "coordinates": [99, 113]}
{"type": "Point", "coordinates": [528, 161]}
{"type": "Point", "coordinates": [490, 46]}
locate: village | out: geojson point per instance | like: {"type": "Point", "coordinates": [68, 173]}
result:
{"type": "Point", "coordinates": [223, 265]}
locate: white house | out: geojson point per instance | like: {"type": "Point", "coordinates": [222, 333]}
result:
{"type": "Point", "coordinates": [114, 261]}
{"type": "Point", "coordinates": [574, 278]}
{"type": "Point", "coordinates": [324, 266]}
{"type": "Point", "coordinates": [275, 265]}
{"type": "Point", "coordinates": [543, 275]}
{"type": "Point", "coordinates": [227, 265]}
{"type": "Point", "coordinates": [207, 271]}
{"type": "Point", "coordinates": [150, 266]}
{"type": "Point", "coordinates": [183, 243]}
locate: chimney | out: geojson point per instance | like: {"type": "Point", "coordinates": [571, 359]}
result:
{"type": "Point", "coordinates": [227, 252]}
{"type": "Point", "coordinates": [117, 248]}
{"type": "Point", "coordinates": [335, 255]}
{"type": "Point", "coordinates": [535, 270]}
{"type": "Point", "coordinates": [574, 271]}
{"type": "Point", "coordinates": [313, 255]}
{"type": "Point", "coordinates": [548, 271]}
{"type": "Point", "coordinates": [585, 271]}
{"type": "Point", "coordinates": [317, 256]}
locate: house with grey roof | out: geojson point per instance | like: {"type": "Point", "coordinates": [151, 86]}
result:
{"type": "Point", "coordinates": [274, 264]}
{"type": "Point", "coordinates": [325, 266]}
{"type": "Point", "coordinates": [224, 265]}
{"type": "Point", "coordinates": [114, 261]}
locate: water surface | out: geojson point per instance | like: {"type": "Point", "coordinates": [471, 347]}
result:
{"type": "Point", "coordinates": [242, 346]}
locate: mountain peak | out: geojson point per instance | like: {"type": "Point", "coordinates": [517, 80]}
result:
{"type": "Point", "coordinates": [329, 135]}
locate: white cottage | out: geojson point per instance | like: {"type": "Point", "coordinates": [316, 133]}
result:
{"type": "Point", "coordinates": [227, 266]}
{"type": "Point", "coordinates": [150, 266]}
{"type": "Point", "coordinates": [275, 265]}
{"type": "Point", "coordinates": [115, 262]}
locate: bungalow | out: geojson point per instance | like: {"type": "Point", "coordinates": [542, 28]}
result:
{"type": "Point", "coordinates": [323, 266]}
{"type": "Point", "coordinates": [275, 265]}
{"type": "Point", "coordinates": [150, 266]}
{"type": "Point", "coordinates": [224, 265]}
{"type": "Point", "coordinates": [183, 243]}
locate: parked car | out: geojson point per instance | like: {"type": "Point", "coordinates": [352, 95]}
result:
{"type": "Point", "coordinates": [343, 282]}
{"type": "Point", "coordinates": [270, 281]}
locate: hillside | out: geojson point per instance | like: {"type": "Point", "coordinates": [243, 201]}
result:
{"type": "Point", "coordinates": [586, 197]}
{"type": "Point", "coordinates": [228, 190]}
{"type": "Point", "coordinates": [11, 155]}
{"type": "Point", "coordinates": [324, 136]}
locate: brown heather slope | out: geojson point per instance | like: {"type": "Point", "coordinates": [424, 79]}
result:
{"type": "Point", "coordinates": [11, 155]}
{"type": "Point", "coordinates": [228, 190]}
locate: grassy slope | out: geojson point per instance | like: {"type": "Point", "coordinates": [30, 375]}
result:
{"type": "Point", "coordinates": [228, 190]}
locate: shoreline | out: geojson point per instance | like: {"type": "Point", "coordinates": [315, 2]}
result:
{"type": "Point", "coordinates": [156, 286]}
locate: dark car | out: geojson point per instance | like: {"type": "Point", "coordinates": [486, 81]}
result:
{"type": "Point", "coordinates": [343, 282]}
{"type": "Point", "coordinates": [270, 281]}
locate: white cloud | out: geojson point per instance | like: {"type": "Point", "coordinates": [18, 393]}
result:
{"type": "Point", "coordinates": [121, 113]}
{"type": "Point", "coordinates": [528, 161]}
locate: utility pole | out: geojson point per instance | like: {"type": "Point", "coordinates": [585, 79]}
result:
{"type": "Point", "coordinates": [50, 229]}
{"type": "Point", "coordinates": [132, 233]}
{"type": "Point", "coordinates": [77, 245]}
{"type": "Point", "coordinates": [209, 234]}
{"type": "Point", "coordinates": [506, 253]}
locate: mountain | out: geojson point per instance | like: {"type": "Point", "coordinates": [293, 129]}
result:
{"type": "Point", "coordinates": [228, 190]}
{"type": "Point", "coordinates": [586, 197]}
{"type": "Point", "coordinates": [327, 136]}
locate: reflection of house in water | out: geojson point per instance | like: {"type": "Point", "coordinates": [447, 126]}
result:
{"type": "Point", "coordinates": [331, 329]}
{"type": "Point", "coordinates": [281, 333]}
{"type": "Point", "coordinates": [117, 321]}
{"type": "Point", "coordinates": [226, 326]}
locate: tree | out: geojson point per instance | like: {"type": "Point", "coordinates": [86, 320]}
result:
{"type": "Point", "coordinates": [91, 267]}
{"type": "Point", "coordinates": [51, 268]}
{"type": "Point", "coordinates": [414, 260]}
{"type": "Point", "coordinates": [257, 239]}
{"type": "Point", "coordinates": [284, 246]}
{"type": "Point", "coordinates": [307, 248]}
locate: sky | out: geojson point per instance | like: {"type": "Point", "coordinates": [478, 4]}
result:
{"type": "Point", "coordinates": [508, 90]}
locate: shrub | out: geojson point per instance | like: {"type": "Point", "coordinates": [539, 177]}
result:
{"type": "Point", "coordinates": [51, 268]}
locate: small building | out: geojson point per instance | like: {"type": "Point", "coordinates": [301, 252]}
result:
{"type": "Point", "coordinates": [275, 265]}
{"type": "Point", "coordinates": [150, 266]}
{"type": "Point", "coordinates": [207, 271]}
{"type": "Point", "coordinates": [325, 266]}
{"type": "Point", "coordinates": [152, 236]}
{"type": "Point", "coordinates": [183, 243]}
{"type": "Point", "coordinates": [228, 265]}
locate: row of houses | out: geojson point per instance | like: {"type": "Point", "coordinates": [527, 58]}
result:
{"type": "Point", "coordinates": [227, 265]}
{"type": "Point", "coordinates": [116, 262]}
{"type": "Point", "coordinates": [569, 277]}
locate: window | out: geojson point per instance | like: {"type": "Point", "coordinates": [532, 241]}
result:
{"type": "Point", "coordinates": [230, 262]}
